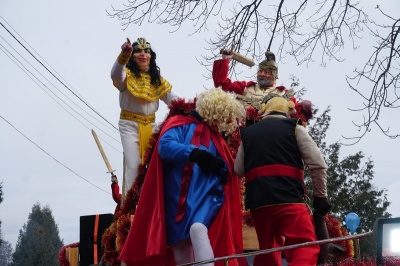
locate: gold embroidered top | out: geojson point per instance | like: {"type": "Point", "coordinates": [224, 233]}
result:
{"type": "Point", "coordinates": [254, 95]}
{"type": "Point", "coordinates": [142, 88]}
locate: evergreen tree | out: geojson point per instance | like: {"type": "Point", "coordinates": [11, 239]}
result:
{"type": "Point", "coordinates": [5, 246]}
{"type": "Point", "coordinates": [38, 241]}
{"type": "Point", "coordinates": [1, 200]}
{"type": "Point", "coordinates": [349, 183]}
{"type": "Point", "coordinates": [5, 253]}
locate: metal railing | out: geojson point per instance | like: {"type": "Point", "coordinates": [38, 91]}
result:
{"type": "Point", "coordinates": [265, 251]}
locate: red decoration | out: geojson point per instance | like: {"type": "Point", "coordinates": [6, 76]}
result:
{"type": "Point", "coordinates": [62, 254]}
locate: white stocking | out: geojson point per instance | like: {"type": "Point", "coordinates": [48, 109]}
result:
{"type": "Point", "coordinates": [201, 243]}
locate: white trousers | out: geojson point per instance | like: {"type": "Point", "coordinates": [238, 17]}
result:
{"type": "Point", "coordinates": [129, 131]}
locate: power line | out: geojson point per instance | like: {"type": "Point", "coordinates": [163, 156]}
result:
{"type": "Point", "coordinates": [21, 66]}
{"type": "Point", "coordinates": [30, 75]}
{"type": "Point", "coordinates": [53, 157]}
{"type": "Point", "coordinates": [51, 94]}
{"type": "Point", "coordinates": [75, 94]}
{"type": "Point", "coordinates": [39, 56]}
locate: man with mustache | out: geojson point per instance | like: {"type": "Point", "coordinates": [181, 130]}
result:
{"type": "Point", "coordinates": [251, 93]}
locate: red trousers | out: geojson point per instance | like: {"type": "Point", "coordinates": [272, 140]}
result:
{"type": "Point", "coordinates": [284, 225]}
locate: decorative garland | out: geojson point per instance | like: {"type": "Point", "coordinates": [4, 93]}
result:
{"type": "Point", "coordinates": [62, 254]}
{"type": "Point", "coordinates": [252, 114]}
{"type": "Point", "coordinates": [335, 229]}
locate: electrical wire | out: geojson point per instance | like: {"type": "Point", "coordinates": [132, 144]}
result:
{"type": "Point", "coordinates": [59, 80]}
{"type": "Point", "coordinates": [52, 157]}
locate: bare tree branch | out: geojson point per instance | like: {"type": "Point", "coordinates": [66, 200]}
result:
{"type": "Point", "coordinates": [381, 71]}
{"type": "Point", "coordinates": [306, 30]}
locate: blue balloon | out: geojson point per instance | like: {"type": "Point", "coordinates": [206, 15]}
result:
{"type": "Point", "coordinates": [352, 221]}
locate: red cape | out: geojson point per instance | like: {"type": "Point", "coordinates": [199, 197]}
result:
{"type": "Point", "coordinates": [146, 241]}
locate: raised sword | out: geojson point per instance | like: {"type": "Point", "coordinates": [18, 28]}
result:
{"type": "Point", "coordinates": [110, 170]}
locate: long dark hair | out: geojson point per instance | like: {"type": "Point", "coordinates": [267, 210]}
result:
{"type": "Point", "coordinates": [154, 69]}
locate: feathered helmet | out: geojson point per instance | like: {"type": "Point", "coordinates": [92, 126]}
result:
{"type": "Point", "coordinates": [269, 63]}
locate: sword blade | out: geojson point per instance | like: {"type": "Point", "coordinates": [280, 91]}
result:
{"type": "Point", "coordinates": [103, 154]}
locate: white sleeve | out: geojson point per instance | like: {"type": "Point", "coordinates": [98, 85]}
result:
{"type": "Point", "coordinates": [239, 161]}
{"type": "Point", "coordinates": [118, 76]}
{"type": "Point", "coordinates": [314, 159]}
{"type": "Point", "coordinates": [169, 97]}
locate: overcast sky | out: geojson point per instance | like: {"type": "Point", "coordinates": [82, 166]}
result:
{"type": "Point", "coordinates": [48, 154]}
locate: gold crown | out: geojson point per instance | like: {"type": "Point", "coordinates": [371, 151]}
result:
{"type": "Point", "coordinates": [141, 44]}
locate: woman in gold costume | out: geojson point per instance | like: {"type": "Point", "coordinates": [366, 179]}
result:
{"type": "Point", "coordinates": [137, 77]}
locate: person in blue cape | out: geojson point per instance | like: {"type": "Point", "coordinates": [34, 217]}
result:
{"type": "Point", "coordinates": [190, 200]}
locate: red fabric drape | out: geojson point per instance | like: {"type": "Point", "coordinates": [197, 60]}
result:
{"type": "Point", "coordinates": [146, 241]}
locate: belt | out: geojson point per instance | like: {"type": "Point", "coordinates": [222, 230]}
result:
{"type": "Point", "coordinates": [275, 170]}
{"type": "Point", "coordinates": [144, 119]}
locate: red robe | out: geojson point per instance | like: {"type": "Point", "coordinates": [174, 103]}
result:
{"type": "Point", "coordinates": [116, 196]}
{"type": "Point", "coordinates": [146, 241]}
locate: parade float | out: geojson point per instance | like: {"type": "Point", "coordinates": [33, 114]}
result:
{"type": "Point", "coordinates": [108, 242]}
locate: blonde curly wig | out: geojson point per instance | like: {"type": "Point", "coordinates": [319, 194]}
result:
{"type": "Point", "coordinates": [215, 105]}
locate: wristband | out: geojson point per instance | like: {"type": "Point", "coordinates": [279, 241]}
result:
{"type": "Point", "coordinates": [123, 58]}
